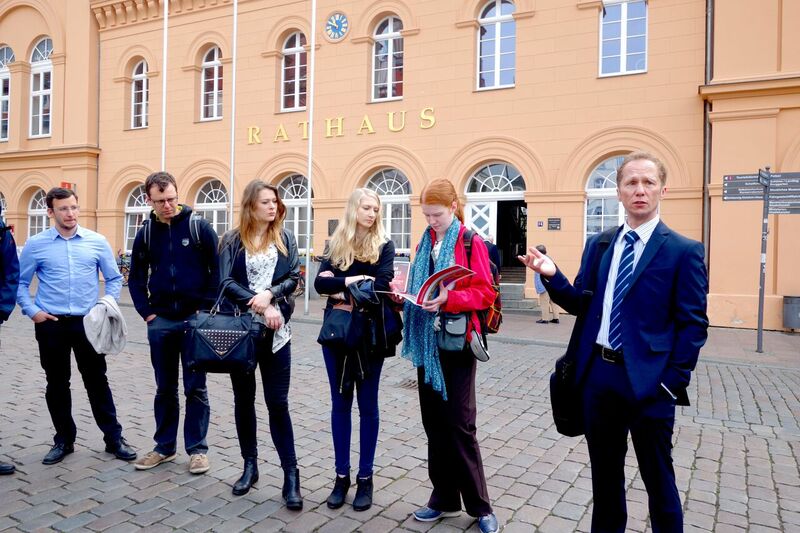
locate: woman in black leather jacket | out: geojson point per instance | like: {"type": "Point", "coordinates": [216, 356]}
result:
{"type": "Point", "coordinates": [360, 261]}
{"type": "Point", "coordinates": [259, 269]}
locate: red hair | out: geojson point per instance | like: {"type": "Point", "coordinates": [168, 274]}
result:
{"type": "Point", "coordinates": [441, 192]}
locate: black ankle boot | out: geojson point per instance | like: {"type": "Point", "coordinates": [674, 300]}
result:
{"type": "Point", "coordinates": [363, 499]}
{"type": "Point", "coordinates": [291, 488]}
{"type": "Point", "coordinates": [340, 486]}
{"type": "Point", "coordinates": [249, 477]}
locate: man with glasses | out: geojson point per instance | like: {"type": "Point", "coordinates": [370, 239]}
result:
{"type": "Point", "coordinates": [66, 260]}
{"type": "Point", "coordinates": [174, 272]}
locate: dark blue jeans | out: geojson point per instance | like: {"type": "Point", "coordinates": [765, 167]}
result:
{"type": "Point", "coordinates": [276, 371]}
{"type": "Point", "coordinates": [56, 340]}
{"type": "Point", "coordinates": [341, 408]}
{"type": "Point", "coordinates": [166, 340]}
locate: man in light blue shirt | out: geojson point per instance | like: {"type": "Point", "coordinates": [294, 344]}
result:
{"type": "Point", "coordinates": [66, 260]}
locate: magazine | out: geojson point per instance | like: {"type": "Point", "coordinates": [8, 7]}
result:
{"type": "Point", "coordinates": [446, 276]}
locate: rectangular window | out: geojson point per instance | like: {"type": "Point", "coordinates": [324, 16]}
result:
{"type": "Point", "coordinates": [497, 54]}
{"type": "Point", "coordinates": [139, 102]}
{"type": "Point", "coordinates": [41, 89]}
{"type": "Point", "coordinates": [623, 38]}
{"type": "Point", "coordinates": [5, 91]}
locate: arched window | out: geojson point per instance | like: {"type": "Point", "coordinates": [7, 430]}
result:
{"type": "Point", "coordinates": [38, 221]}
{"type": "Point", "coordinates": [294, 73]}
{"type": "Point", "coordinates": [394, 189]}
{"type": "Point", "coordinates": [294, 191]}
{"type": "Point", "coordinates": [497, 45]}
{"type": "Point", "coordinates": [136, 212]}
{"type": "Point", "coordinates": [211, 85]}
{"type": "Point", "coordinates": [41, 88]}
{"type": "Point", "coordinates": [140, 95]}
{"type": "Point", "coordinates": [603, 209]}
{"type": "Point", "coordinates": [212, 204]}
{"type": "Point", "coordinates": [6, 58]}
{"type": "Point", "coordinates": [496, 177]}
{"type": "Point", "coordinates": [387, 60]}
{"type": "Point", "coordinates": [3, 206]}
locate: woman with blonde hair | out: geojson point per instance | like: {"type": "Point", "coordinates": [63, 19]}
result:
{"type": "Point", "coordinates": [360, 259]}
{"type": "Point", "coordinates": [446, 380]}
{"type": "Point", "coordinates": [259, 270]}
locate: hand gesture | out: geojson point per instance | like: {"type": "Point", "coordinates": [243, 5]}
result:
{"type": "Point", "coordinates": [538, 262]}
{"type": "Point", "coordinates": [273, 318]}
{"type": "Point", "coordinates": [41, 316]}
{"type": "Point", "coordinates": [394, 286]}
{"type": "Point", "coordinates": [434, 304]}
{"type": "Point", "coordinates": [260, 301]}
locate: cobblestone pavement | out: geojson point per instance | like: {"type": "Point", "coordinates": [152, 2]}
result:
{"type": "Point", "coordinates": [736, 451]}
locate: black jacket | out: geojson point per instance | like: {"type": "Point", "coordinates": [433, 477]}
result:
{"type": "Point", "coordinates": [233, 273]}
{"type": "Point", "coordinates": [9, 272]}
{"type": "Point", "coordinates": [173, 277]}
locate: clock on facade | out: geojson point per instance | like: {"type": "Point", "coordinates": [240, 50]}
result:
{"type": "Point", "coordinates": [336, 26]}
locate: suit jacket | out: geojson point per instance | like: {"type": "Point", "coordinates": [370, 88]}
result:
{"type": "Point", "coordinates": [664, 312]}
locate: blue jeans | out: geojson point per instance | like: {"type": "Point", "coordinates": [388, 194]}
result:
{"type": "Point", "coordinates": [166, 343]}
{"type": "Point", "coordinates": [275, 376]}
{"type": "Point", "coordinates": [341, 408]}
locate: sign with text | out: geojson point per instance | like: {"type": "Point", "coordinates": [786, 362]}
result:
{"type": "Point", "coordinates": [784, 191]}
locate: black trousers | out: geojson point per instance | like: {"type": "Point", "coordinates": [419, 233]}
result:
{"type": "Point", "coordinates": [56, 340]}
{"type": "Point", "coordinates": [276, 370]}
{"type": "Point", "coordinates": [610, 413]}
{"type": "Point", "coordinates": [454, 458]}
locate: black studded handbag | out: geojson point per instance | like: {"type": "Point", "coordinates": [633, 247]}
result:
{"type": "Point", "coordinates": [221, 341]}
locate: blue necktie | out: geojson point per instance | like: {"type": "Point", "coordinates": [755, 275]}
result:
{"type": "Point", "coordinates": [621, 286]}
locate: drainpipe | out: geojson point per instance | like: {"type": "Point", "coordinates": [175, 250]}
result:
{"type": "Point", "coordinates": [709, 74]}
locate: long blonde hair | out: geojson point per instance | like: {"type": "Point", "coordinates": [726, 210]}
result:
{"type": "Point", "coordinates": [345, 246]}
{"type": "Point", "coordinates": [248, 227]}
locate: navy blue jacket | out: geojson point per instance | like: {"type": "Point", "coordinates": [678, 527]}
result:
{"type": "Point", "coordinates": [173, 277]}
{"type": "Point", "coordinates": [9, 272]}
{"type": "Point", "coordinates": [664, 312]}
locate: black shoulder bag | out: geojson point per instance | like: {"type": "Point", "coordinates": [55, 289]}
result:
{"type": "Point", "coordinates": [566, 395]}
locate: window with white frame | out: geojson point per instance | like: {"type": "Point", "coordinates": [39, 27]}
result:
{"type": "Point", "coordinates": [38, 221]}
{"type": "Point", "coordinates": [293, 191]}
{"type": "Point", "coordinates": [497, 45]}
{"type": "Point", "coordinates": [394, 189]}
{"type": "Point", "coordinates": [140, 96]}
{"type": "Point", "coordinates": [496, 177]}
{"type": "Point", "coordinates": [387, 60]}
{"type": "Point", "coordinates": [41, 88]}
{"type": "Point", "coordinates": [3, 206]}
{"type": "Point", "coordinates": [623, 37]}
{"type": "Point", "coordinates": [603, 208]}
{"type": "Point", "coordinates": [212, 204]}
{"type": "Point", "coordinates": [294, 73]}
{"type": "Point", "coordinates": [136, 212]}
{"type": "Point", "coordinates": [211, 85]}
{"type": "Point", "coordinates": [6, 58]}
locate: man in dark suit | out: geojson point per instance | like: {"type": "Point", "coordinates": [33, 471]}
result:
{"type": "Point", "coordinates": [640, 329]}
{"type": "Point", "coordinates": [9, 280]}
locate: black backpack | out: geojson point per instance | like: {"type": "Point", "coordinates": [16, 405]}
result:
{"type": "Point", "coordinates": [492, 317]}
{"type": "Point", "coordinates": [194, 231]}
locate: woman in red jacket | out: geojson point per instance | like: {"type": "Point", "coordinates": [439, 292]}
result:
{"type": "Point", "coordinates": [447, 379]}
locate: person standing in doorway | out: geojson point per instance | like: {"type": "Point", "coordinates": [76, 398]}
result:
{"type": "Point", "coordinates": [66, 260]}
{"type": "Point", "coordinates": [174, 272]}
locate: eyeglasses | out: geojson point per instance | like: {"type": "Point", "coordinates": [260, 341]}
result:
{"type": "Point", "coordinates": [171, 201]}
{"type": "Point", "coordinates": [68, 208]}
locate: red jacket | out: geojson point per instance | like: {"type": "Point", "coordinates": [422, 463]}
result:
{"type": "Point", "coordinates": [475, 292]}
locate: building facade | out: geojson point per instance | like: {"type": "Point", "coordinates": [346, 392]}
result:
{"type": "Point", "coordinates": [526, 105]}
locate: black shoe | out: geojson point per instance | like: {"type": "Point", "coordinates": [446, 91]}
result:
{"type": "Point", "coordinates": [554, 321]}
{"type": "Point", "coordinates": [57, 453]}
{"type": "Point", "coordinates": [249, 477]}
{"type": "Point", "coordinates": [291, 489]}
{"type": "Point", "coordinates": [121, 450]}
{"type": "Point", "coordinates": [340, 486]}
{"type": "Point", "coordinates": [363, 499]}
{"type": "Point", "coordinates": [6, 469]}
{"type": "Point", "coordinates": [541, 321]}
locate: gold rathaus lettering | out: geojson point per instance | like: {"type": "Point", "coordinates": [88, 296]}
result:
{"type": "Point", "coordinates": [366, 124]}
{"type": "Point", "coordinates": [253, 135]}
{"type": "Point", "coordinates": [330, 127]}
{"type": "Point", "coordinates": [281, 134]}
{"type": "Point", "coordinates": [392, 126]}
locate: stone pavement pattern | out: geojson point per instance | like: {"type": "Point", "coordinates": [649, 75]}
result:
{"type": "Point", "coordinates": [736, 453]}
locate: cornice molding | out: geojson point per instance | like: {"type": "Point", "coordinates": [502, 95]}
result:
{"type": "Point", "coordinates": [752, 87]}
{"type": "Point", "coordinates": [116, 13]}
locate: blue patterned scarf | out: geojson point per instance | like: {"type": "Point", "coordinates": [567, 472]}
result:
{"type": "Point", "coordinates": [420, 345]}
